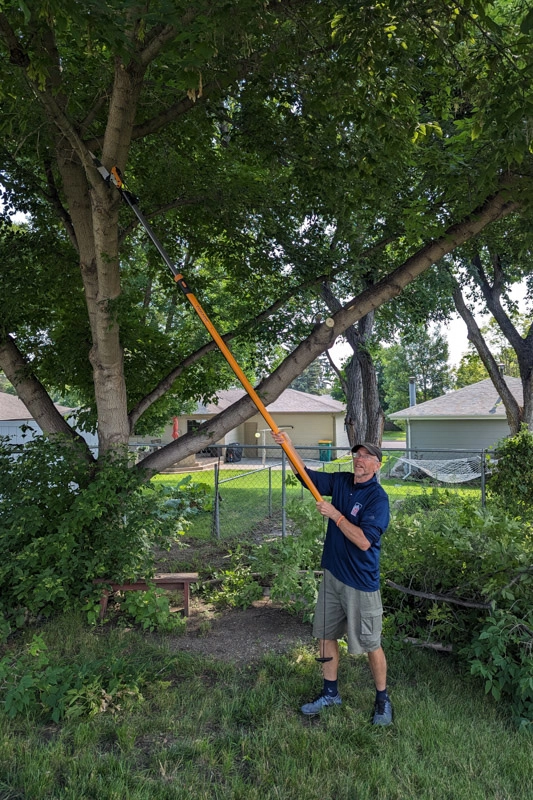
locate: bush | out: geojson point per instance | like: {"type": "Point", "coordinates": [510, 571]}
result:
{"type": "Point", "coordinates": [511, 482]}
{"type": "Point", "coordinates": [483, 557]}
{"type": "Point", "coordinates": [64, 522]}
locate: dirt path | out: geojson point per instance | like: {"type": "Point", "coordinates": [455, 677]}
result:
{"type": "Point", "coordinates": [242, 636]}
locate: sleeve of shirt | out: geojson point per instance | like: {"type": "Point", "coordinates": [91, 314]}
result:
{"type": "Point", "coordinates": [322, 480]}
{"type": "Point", "coordinates": [375, 519]}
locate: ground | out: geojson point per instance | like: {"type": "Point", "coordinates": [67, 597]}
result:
{"type": "Point", "coordinates": [236, 635]}
{"type": "Point", "coordinates": [242, 636]}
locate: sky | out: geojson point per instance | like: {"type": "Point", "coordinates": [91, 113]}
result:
{"type": "Point", "coordinates": [455, 332]}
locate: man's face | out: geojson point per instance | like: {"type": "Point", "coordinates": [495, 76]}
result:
{"type": "Point", "coordinates": [365, 465]}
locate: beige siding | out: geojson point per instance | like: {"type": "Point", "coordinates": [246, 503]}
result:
{"type": "Point", "coordinates": [307, 429]}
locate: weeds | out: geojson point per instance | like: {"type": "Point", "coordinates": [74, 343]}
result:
{"type": "Point", "coordinates": [211, 730]}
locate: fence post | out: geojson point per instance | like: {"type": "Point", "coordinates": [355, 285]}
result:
{"type": "Point", "coordinates": [483, 466]}
{"type": "Point", "coordinates": [283, 495]}
{"type": "Point", "coordinates": [270, 491]}
{"type": "Point", "coordinates": [216, 506]}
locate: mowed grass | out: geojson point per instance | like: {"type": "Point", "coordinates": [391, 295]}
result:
{"type": "Point", "coordinates": [244, 494]}
{"type": "Point", "coordinates": [207, 729]}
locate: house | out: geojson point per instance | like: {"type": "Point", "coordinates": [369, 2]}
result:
{"type": "Point", "coordinates": [309, 419]}
{"type": "Point", "coordinates": [17, 423]}
{"type": "Point", "coordinates": [471, 418]}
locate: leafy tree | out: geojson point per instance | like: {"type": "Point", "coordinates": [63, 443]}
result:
{"type": "Point", "coordinates": [316, 378]}
{"type": "Point", "coordinates": [180, 95]}
{"type": "Point", "coordinates": [424, 357]}
{"type": "Point", "coordinates": [279, 146]}
{"type": "Point", "coordinates": [5, 385]}
{"type": "Point", "coordinates": [470, 370]}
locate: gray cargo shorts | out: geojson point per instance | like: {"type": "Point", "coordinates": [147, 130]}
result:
{"type": "Point", "coordinates": [350, 612]}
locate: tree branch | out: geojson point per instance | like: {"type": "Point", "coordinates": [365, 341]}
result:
{"type": "Point", "coordinates": [492, 295]}
{"type": "Point", "coordinates": [35, 397]}
{"type": "Point", "coordinates": [512, 409]}
{"type": "Point", "coordinates": [323, 336]}
{"type": "Point", "coordinates": [441, 598]}
{"type": "Point", "coordinates": [166, 383]}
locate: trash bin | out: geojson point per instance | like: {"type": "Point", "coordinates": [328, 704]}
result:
{"type": "Point", "coordinates": [233, 453]}
{"type": "Point", "coordinates": [324, 449]}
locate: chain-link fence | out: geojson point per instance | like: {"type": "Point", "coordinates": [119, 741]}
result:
{"type": "Point", "coordinates": [253, 485]}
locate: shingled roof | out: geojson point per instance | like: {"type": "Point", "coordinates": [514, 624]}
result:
{"type": "Point", "coordinates": [12, 409]}
{"type": "Point", "coordinates": [289, 402]}
{"type": "Point", "coordinates": [479, 400]}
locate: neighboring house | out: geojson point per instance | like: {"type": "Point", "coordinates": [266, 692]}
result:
{"type": "Point", "coordinates": [309, 419]}
{"type": "Point", "coordinates": [17, 422]}
{"type": "Point", "coordinates": [472, 418]}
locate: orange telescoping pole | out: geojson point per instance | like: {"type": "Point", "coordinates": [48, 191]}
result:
{"type": "Point", "coordinates": [292, 455]}
{"type": "Point", "coordinates": [115, 178]}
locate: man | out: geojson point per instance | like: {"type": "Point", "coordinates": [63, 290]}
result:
{"type": "Point", "coordinates": [349, 600]}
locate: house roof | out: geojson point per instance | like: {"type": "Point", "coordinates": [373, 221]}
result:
{"type": "Point", "coordinates": [479, 400]}
{"type": "Point", "coordinates": [13, 409]}
{"type": "Point", "coordinates": [289, 401]}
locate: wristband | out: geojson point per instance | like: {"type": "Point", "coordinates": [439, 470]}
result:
{"type": "Point", "coordinates": [337, 521]}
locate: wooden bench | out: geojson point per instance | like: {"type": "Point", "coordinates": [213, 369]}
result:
{"type": "Point", "coordinates": [171, 581]}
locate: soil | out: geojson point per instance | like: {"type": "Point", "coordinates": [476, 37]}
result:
{"type": "Point", "coordinates": [240, 636]}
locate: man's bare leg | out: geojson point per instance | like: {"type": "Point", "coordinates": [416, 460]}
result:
{"type": "Point", "coordinates": [378, 668]}
{"type": "Point", "coordinates": [329, 648]}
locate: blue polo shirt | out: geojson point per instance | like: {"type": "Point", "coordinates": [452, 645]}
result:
{"type": "Point", "coordinates": [365, 505]}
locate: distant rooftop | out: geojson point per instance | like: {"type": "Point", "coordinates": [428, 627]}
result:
{"type": "Point", "coordinates": [479, 400]}
{"type": "Point", "coordinates": [11, 408]}
{"type": "Point", "coordinates": [289, 401]}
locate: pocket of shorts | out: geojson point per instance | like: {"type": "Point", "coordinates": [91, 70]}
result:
{"type": "Point", "coordinates": [370, 627]}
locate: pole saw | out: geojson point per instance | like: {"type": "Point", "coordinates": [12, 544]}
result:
{"type": "Point", "coordinates": [114, 177]}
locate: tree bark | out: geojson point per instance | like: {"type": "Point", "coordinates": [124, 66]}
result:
{"type": "Point", "coordinates": [514, 412]}
{"type": "Point", "coordinates": [35, 397]}
{"type": "Point", "coordinates": [364, 415]}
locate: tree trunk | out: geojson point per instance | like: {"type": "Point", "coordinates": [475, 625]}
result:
{"type": "Point", "coordinates": [516, 414]}
{"type": "Point", "coordinates": [364, 415]}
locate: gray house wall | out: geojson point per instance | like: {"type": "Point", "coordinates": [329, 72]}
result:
{"type": "Point", "coordinates": [18, 431]}
{"type": "Point", "coordinates": [456, 434]}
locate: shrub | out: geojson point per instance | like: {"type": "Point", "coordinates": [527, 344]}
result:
{"type": "Point", "coordinates": [64, 522]}
{"type": "Point", "coordinates": [457, 551]}
{"type": "Point", "coordinates": [511, 482]}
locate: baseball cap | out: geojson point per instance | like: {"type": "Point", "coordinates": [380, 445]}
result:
{"type": "Point", "coordinates": [372, 448]}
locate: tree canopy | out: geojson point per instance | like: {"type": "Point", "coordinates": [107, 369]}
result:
{"type": "Point", "coordinates": [422, 356]}
{"type": "Point", "coordinates": [276, 145]}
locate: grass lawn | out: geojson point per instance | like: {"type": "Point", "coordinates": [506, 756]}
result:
{"type": "Point", "coordinates": [393, 436]}
{"type": "Point", "coordinates": [245, 503]}
{"type": "Point", "coordinates": [194, 728]}
{"type": "Point", "coordinates": [207, 730]}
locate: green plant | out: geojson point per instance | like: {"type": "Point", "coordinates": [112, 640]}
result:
{"type": "Point", "coordinates": [468, 581]}
{"type": "Point", "coordinates": [287, 566]}
{"type": "Point", "coordinates": [511, 482]}
{"type": "Point", "coordinates": [63, 524]}
{"type": "Point", "coordinates": [151, 610]}
{"type": "Point", "coordinates": [34, 683]}
{"type": "Point", "coordinates": [238, 588]}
